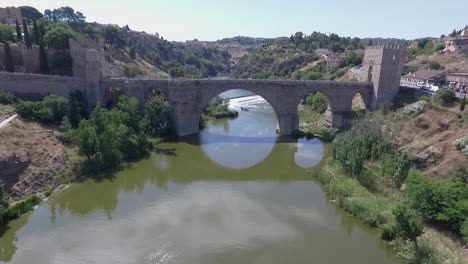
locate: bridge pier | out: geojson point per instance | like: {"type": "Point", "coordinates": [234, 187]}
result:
{"type": "Point", "coordinates": [288, 123]}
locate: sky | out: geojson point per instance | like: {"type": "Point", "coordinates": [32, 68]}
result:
{"type": "Point", "coordinates": [182, 20]}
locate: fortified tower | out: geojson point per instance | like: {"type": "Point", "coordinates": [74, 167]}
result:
{"type": "Point", "coordinates": [382, 66]}
{"type": "Point", "coordinates": [88, 56]}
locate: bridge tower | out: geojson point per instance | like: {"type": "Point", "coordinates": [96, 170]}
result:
{"type": "Point", "coordinates": [382, 67]}
{"type": "Point", "coordinates": [87, 57]}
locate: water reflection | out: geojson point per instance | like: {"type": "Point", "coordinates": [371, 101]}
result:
{"type": "Point", "coordinates": [228, 195]}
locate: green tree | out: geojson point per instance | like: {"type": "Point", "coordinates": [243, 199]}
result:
{"type": "Point", "coordinates": [409, 225]}
{"type": "Point", "coordinates": [7, 33]}
{"type": "Point", "coordinates": [85, 137]}
{"type": "Point", "coordinates": [317, 102]}
{"type": "Point", "coordinates": [3, 203]}
{"type": "Point", "coordinates": [10, 67]}
{"type": "Point", "coordinates": [27, 38]}
{"type": "Point", "coordinates": [43, 61]}
{"type": "Point", "coordinates": [433, 65]}
{"type": "Point", "coordinates": [157, 115]}
{"type": "Point", "coordinates": [444, 97]}
{"type": "Point", "coordinates": [403, 165]}
{"type": "Point", "coordinates": [19, 35]}
{"type": "Point", "coordinates": [75, 109]}
{"type": "Point", "coordinates": [37, 34]}
{"type": "Point", "coordinates": [59, 37]}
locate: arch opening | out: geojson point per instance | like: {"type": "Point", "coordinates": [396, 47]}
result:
{"type": "Point", "coordinates": [315, 111]}
{"type": "Point", "coordinates": [240, 140]}
{"type": "Point", "coordinates": [358, 104]}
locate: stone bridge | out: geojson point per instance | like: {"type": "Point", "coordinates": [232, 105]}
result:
{"type": "Point", "coordinates": [188, 98]}
{"type": "Point", "coordinates": [379, 84]}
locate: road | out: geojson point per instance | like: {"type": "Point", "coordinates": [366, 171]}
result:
{"type": "Point", "coordinates": [8, 120]}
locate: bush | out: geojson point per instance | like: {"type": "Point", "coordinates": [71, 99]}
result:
{"type": "Point", "coordinates": [365, 141]}
{"type": "Point", "coordinates": [388, 232]}
{"type": "Point", "coordinates": [51, 110]}
{"type": "Point", "coordinates": [464, 230]}
{"type": "Point", "coordinates": [219, 108]}
{"type": "Point", "coordinates": [132, 71]}
{"type": "Point", "coordinates": [7, 97]}
{"type": "Point", "coordinates": [444, 97]}
{"type": "Point", "coordinates": [22, 208]}
{"type": "Point", "coordinates": [318, 102]}
{"type": "Point", "coordinates": [462, 144]}
{"type": "Point", "coordinates": [444, 201]}
{"type": "Point", "coordinates": [59, 37]}
{"type": "Point", "coordinates": [425, 98]}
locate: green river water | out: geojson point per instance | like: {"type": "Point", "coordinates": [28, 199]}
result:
{"type": "Point", "coordinates": [235, 193]}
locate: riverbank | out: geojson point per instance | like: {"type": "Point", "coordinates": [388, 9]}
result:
{"type": "Point", "coordinates": [376, 210]}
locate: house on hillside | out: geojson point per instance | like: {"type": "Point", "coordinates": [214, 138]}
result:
{"type": "Point", "coordinates": [334, 59]}
{"type": "Point", "coordinates": [457, 80]}
{"type": "Point", "coordinates": [423, 78]}
{"type": "Point", "coordinates": [458, 44]}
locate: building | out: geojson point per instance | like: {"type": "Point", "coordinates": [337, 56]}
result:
{"type": "Point", "coordinates": [457, 80]}
{"type": "Point", "coordinates": [321, 52]}
{"type": "Point", "coordinates": [423, 78]}
{"type": "Point", "coordinates": [9, 15]}
{"type": "Point", "coordinates": [457, 45]}
{"type": "Point", "coordinates": [334, 59]}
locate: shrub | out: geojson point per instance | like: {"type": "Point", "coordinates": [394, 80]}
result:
{"type": "Point", "coordinates": [22, 208]}
{"type": "Point", "coordinates": [132, 71]}
{"type": "Point", "coordinates": [444, 201]}
{"type": "Point", "coordinates": [51, 110]}
{"type": "Point", "coordinates": [157, 115]}
{"type": "Point", "coordinates": [425, 98]}
{"type": "Point", "coordinates": [318, 102]}
{"type": "Point", "coordinates": [7, 97]}
{"type": "Point", "coordinates": [462, 144]}
{"type": "Point", "coordinates": [464, 230]}
{"type": "Point", "coordinates": [444, 97]}
{"type": "Point", "coordinates": [365, 141]}
{"type": "Point", "coordinates": [388, 232]}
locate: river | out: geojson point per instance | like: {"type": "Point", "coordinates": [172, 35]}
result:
{"type": "Point", "coordinates": [232, 194]}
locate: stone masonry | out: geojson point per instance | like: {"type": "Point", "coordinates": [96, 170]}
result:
{"type": "Point", "coordinates": [379, 85]}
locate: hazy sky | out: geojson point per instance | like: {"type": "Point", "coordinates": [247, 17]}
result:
{"type": "Point", "coordinates": [216, 19]}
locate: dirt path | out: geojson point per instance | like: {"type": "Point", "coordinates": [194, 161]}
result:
{"type": "Point", "coordinates": [8, 120]}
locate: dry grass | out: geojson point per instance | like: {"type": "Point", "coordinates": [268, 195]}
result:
{"type": "Point", "coordinates": [50, 163]}
{"type": "Point", "coordinates": [432, 133]}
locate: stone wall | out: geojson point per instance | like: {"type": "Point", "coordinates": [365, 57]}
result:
{"type": "Point", "coordinates": [36, 86]}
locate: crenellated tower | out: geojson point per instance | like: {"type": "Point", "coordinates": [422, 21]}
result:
{"type": "Point", "coordinates": [382, 66]}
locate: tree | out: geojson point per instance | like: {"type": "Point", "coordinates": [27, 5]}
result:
{"type": "Point", "coordinates": [433, 65]}
{"type": "Point", "coordinates": [403, 165]}
{"type": "Point", "coordinates": [157, 115]}
{"type": "Point", "coordinates": [85, 138]}
{"type": "Point", "coordinates": [30, 13]}
{"type": "Point", "coordinates": [3, 203]}
{"type": "Point", "coordinates": [65, 13]}
{"type": "Point", "coordinates": [59, 37]}
{"type": "Point", "coordinates": [37, 33]}
{"type": "Point", "coordinates": [444, 97]}
{"type": "Point", "coordinates": [75, 115]}
{"type": "Point", "coordinates": [298, 37]}
{"type": "Point", "coordinates": [43, 61]}
{"type": "Point", "coordinates": [27, 39]}
{"type": "Point", "coordinates": [115, 37]}
{"type": "Point", "coordinates": [409, 225]}
{"type": "Point", "coordinates": [10, 67]}
{"type": "Point", "coordinates": [7, 33]}
{"type": "Point", "coordinates": [19, 35]}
